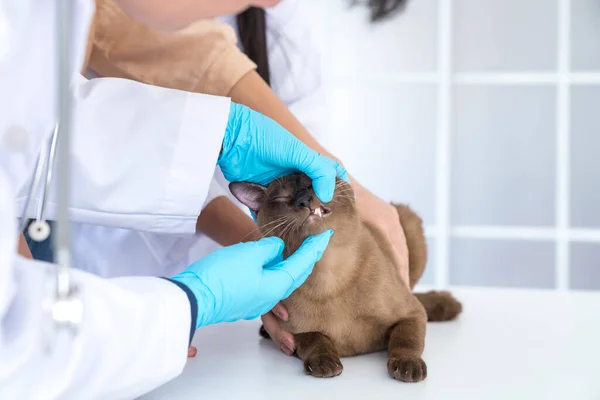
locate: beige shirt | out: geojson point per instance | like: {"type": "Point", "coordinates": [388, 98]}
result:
{"type": "Point", "coordinates": [202, 58]}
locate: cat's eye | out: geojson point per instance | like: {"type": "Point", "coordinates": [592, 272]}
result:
{"type": "Point", "coordinates": [281, 199]}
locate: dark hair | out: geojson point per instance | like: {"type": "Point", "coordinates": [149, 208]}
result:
{"type": "Point", "coordinates": [252, 28]}
{"type": "Point", "coordinates": [383, 9]}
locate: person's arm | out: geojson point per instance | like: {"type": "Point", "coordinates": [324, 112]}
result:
{"type": "Point", "coordinates": [226, 223]}
{"type": "Point", "coordinates": [176, 14]}
{"type": "Point", "coordinates": [23, 248]}
{"type": "Point", "coordinates": [254, 92]}
{"type": "Point", "coordinates": [123, 320]}
{"type": "Point", "coordinates": [134, 334]}
{"type": "Point", "coordinates": [222, 221]}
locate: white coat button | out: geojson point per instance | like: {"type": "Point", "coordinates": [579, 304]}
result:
{"type": "Point", "coordinates": [16, 138]}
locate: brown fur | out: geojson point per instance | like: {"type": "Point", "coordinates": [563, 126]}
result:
{"type": "Point", "coordinates": [440, 306]}
{"type": "Point", "coordinates": [354, 302]}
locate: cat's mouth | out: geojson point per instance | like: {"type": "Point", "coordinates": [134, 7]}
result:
{"type": "Point", "coordinates": [320, 212]}
{"type": "Point", "coordinates": [316, 215]}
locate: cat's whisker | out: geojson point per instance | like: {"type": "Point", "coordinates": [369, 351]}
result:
{"type": "Point", "coordinates": [278, 227]}
{"type": "Point", "coordinates": [278, 222]}
{"type": "Point", "coordinates": [291, 228]}
{"type": "Point", "coordinates": [287, 231]}
{"type": "Point", "coordinates": [270, 232]}
{"type": "Point", "coordinates": [273, 228]}
{"type": "Point", "coordinates": [264, 226]}
{"type": "Point", "coordinates": [275, 221]}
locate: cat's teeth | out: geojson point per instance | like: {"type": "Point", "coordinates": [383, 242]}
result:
{"type": "Point", "coordinates": [318, 212]}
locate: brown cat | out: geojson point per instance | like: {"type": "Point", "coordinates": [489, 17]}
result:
{"type": "Point", "coordinates": [354, 302]}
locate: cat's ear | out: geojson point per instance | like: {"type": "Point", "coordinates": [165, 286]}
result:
{"type": "Point", "coordinates": [249, 194]}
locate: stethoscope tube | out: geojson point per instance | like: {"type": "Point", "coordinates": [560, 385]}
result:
{"type": "Point", "coordinates": [40, 216]}
{"type": "Point", "coordinates": [40, 229]}
{"type": "Point", "coordinates": [62, 242]}
{"type": "Point", "coordinates": [62, 306]}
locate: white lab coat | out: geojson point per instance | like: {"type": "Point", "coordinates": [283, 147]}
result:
{"type": "Point", "coordinates": [295, 66]}
{"type": "Point", "coordinates": [135, 330]}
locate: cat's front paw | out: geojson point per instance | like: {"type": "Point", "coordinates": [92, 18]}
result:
{"type": "Point", "coordinates": [323, 366]}
{"type": "Point", "coordinates": [407, 368]}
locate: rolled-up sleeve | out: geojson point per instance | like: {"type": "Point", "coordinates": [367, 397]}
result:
{"type": "Point", "coordinates": [201, 58]}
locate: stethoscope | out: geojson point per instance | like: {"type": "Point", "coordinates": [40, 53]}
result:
{"type": "Point", "coordinates": [62, 304]}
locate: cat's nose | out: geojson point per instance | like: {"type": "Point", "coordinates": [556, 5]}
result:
{"type": "Point", "coordinates": [303, 200]}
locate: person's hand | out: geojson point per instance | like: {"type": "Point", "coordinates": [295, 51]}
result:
{"type": "Point", "coordinates": [384, 217]}
{"type": "Point", "coordinates": [247, 280]}
{"type": "Point", "coordinates": [257, 149]}
{"type": "Point", "coordinates": [282, 338]}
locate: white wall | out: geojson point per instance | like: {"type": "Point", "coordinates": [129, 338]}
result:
{"type": "Point", "coordinates": [484, 115]}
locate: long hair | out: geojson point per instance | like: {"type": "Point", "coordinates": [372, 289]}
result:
{"type": "Point", "coordinates": [383, 9]}
{"type": "Point", "coordinates": [252, 28]}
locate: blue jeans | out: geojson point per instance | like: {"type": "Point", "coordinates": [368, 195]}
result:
{"type": "Point", "coordinates": [43, 251]}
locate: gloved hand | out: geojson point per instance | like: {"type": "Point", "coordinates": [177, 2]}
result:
{"type": "Point", "coordinates": [231, 284]}
{"type": "Point", "coordinates": [257, 149]}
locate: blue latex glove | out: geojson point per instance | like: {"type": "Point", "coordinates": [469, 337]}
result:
{"type": "Point", "coordinates": [257, 149]}
{"type": "Point", "coordinates": [232, 284]}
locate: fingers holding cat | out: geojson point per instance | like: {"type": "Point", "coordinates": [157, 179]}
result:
{"type": "Point", "coordinates": [283, 339]}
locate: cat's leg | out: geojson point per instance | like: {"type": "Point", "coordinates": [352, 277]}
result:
{"type": "Point", "coordinates": [405, 346]}
{"type": "Point", "coordinates": [321, 359]}
{"type": "Point", "coordinates": [440, 306]}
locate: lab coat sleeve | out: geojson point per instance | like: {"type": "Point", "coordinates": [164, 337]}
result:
{"type": "Point", "coordinates": [142, 157]}
{"type": "Point", "coordinates": [134, 335]}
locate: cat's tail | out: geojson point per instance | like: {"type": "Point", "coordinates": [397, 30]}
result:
{"type": "Point", "coordinates": [440, 306]}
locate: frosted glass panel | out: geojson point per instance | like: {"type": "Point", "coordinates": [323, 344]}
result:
{"type": "Point", "coordinates": [585, 266]}
{"type": "Point", "coordinates": [481, 262]}
{"type": "Point", "coordinates": [385, 135]}
{"type": "Point", "coordinates": [503, 160]}
{"type": "Point", "coordinates": [585, 34]}
{"type": "Point", "coordinates": [503, 155]}
{"type": "Point", "coordinates": [504, 35]}
{"type": "Point", "coordinates": [585, 156]}
{"type": "Point", "coordinates": [404, 43]}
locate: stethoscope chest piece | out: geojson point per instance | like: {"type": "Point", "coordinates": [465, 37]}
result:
{"type": "Point", "coordinates": [39, 230]}
{"type": "Point", "coordinates": [63, 311]}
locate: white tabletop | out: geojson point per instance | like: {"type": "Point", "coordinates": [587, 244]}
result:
{"type": "Point", "coordinates": [507, 344]}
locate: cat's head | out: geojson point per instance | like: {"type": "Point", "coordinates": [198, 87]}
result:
{"type": "Point", "coordinates": [288, 207]}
